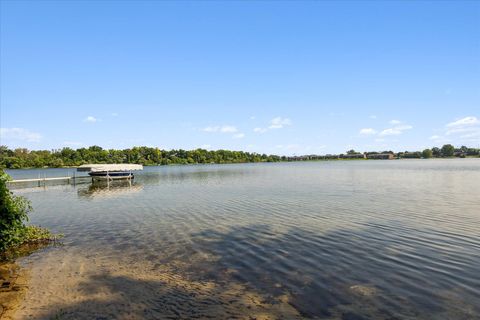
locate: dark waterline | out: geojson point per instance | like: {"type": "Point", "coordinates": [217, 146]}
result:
{"type": "Point", "coordinates": [335, 240]}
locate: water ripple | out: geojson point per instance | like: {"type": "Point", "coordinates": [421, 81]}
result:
{"type": "Point", "coordinates": [334, 240]}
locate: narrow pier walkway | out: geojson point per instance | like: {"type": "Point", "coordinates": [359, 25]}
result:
{"type": "Point", "coordinates": [41, 179]}
{"type": "Point", "coordinates": [45, 180]}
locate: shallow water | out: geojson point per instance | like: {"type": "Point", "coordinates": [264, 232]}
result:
{"type": "Point", "coordinates": [333, 240]}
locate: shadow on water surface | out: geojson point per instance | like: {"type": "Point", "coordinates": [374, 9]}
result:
{"type": "Point", "coordinates": [104, 189]}
{"type": "Point", "coordinates": [168, 296]}
{"type": "Point", "coordinates": [376, 272]}
{"type": "Point", "coordinates": [373, 273]}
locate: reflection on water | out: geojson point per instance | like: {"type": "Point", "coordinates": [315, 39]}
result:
{"type": "Point", "coordinates": [115, 188]}
{"type": "Point", "coordinates": [332, 240]}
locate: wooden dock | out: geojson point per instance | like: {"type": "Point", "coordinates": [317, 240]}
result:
{"type": "Point", "coordinates": [40, 179]}
{"type": "Point", "coordinates": [107, 172]}
{"type": "Point", "coordinates": [44, 180]}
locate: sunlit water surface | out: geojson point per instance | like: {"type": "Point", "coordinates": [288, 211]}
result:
{"type": "Point", "coordinates": [331, 240]}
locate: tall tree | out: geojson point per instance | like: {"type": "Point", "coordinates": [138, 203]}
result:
{"type": "Point", "coordinates": [448, 150]}
{"type": "Point", "coordinates": [436, 152]}
{"type": "Point", "coordinates": [427, 153]}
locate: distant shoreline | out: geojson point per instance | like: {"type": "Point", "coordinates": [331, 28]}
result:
{"type": "Point", "coordinates": [149, 156]}
{"type": "Point", "coordinates": [286, 161]}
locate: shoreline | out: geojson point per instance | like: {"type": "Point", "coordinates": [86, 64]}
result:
{"type": "Point", "coordinates": [282, 161]}
{"type": "Point", "coordinates": [13, 288]}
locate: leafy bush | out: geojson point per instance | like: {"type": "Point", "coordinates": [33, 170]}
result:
{"type": "Point", "coordinates": [13, 215]}
{"type": "Point", "coordinates": [427, 153]}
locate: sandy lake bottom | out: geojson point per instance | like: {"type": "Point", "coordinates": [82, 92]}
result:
{"type": "Point", "coordinates": [328, 240]}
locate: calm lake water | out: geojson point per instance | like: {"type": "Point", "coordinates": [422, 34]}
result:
{"type": "Point", "coordinates": [330, 240]}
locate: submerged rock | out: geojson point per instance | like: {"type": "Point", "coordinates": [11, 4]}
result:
{"type": "Point", "coordinates": [364, 290]}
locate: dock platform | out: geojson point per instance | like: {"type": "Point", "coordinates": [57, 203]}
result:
{"type": "Point", "coordinates": [43, 181]}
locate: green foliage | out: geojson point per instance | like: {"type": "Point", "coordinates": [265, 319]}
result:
{"type": "Point", "coordinates": [436, 152]}
{"type": "Point", "coordinates": [39, 234]}
{"type": "Point", "coordinates": [412, 155]}
{"type": "Point", "coordinates": [67, 157]}
{"type": "Point", "coordinates": [427, 153]}
{"type": "Point", "coordinates": [448, 150]}
{"type": "Point", "coordinates": [13, 215]}
{"type": "Point", "coordinates": [23, 158]}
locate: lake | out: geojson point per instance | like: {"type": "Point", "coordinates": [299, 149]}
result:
{"type": "Point", "coordinates": [346, 240]}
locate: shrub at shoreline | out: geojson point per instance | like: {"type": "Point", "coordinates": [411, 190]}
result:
{"type": "Point", "coordinates": [13, 215]}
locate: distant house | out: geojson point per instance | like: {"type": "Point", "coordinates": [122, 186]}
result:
{"type": "Point", "coordinates": [298, 158]}
{"type": "Point", "coordinates": [353, 156]}
{"type": "Point", "coordinates": [331, 156]}
{"type": "Point", "coordinates": [384, 156]}
{"type": "Point", "coordinates": [410, 155]}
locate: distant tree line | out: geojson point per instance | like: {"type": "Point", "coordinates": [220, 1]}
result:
{"type": "Point", "coordinates": [446, 151]}
{"type": "Point", "coordinates": [66, 157]}
{"type": "Point", "coordinates": [23, 158]}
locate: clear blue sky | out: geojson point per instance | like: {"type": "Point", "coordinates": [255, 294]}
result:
{"type": "Point", "coordinates": [274, 77]}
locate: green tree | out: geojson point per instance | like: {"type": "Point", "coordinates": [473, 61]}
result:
{"type": "Point", "coordinates": [448, 150]}
{"type": "Point", "coordinates": [436, 152]}
{"type": "Point", "coordinates": [427, 153]}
